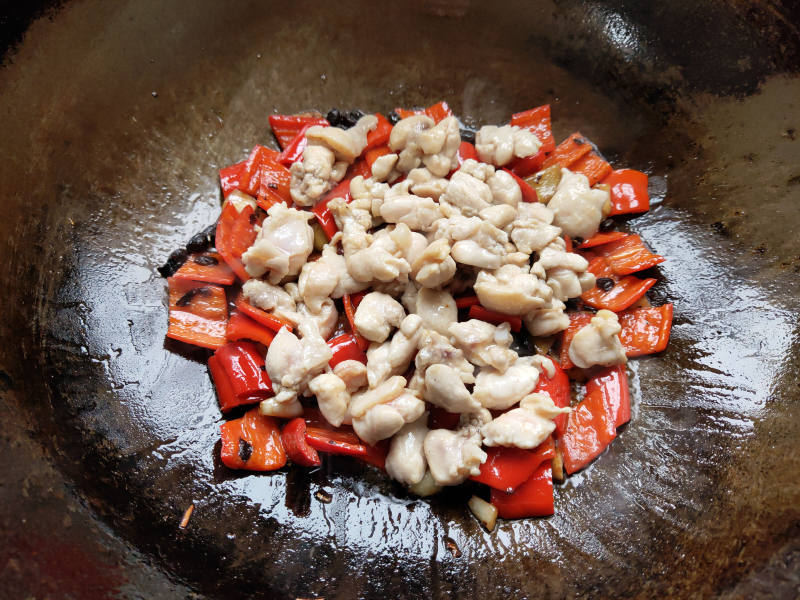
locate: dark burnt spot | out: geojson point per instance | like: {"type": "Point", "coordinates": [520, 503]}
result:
{"type": "Point", "coordinates": [253, 219]}
{"type": "Point", "coordinates": [393, 118]}
{"type": "Point", "coordinates": [189, 296]}
{"type": "Point", "coordinates": [272, 186]}
{"type": "Point", "coordinates": [174, 262]}
{"type": "Point", "coordinates": [203, 240]}
{"type": "Point", "coordinates": [245, 450]}
{"type": "Point", "coordinates": [789, 133]}
{"type": "Point", "coordinates": [721, 228]}
{"type": "Point", "coordinates": [607, 225]}
{"type": "Point", "coordinates": [793, 180]}
{"type": "Point", "coordinates": [205, 260]}
{"type": "Point", "coordinates": [760, 249]}
{"type": "Point", "coordinates": [452, 547]}
{"type": "Point", "coordinates": [605, 283]}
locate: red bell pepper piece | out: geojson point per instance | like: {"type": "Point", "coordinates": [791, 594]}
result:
{"type": "Point", "coordinates": [577, 320]}
{"type": "Point", "coordinates": [437, 112]}
{"type": "Point", "coordinates": [286, 127]}
{"type": "Point", "coordinates": [558, 388]}
{"type": "Point", "coordinates": [293, 437]}
{"type": "Point", "coordinates": [439, 418]}
{"type": "Point", "coordinates": [404, 113]}
{"type": "Point", "coordinates": [206, 266]}
{"type": "Point", "coordinates": [612, 384]}
{"type": "Point", "coordinates": [628, 189]}
{"type": "Point", "coordinates": [321, 212]}
{"type": "Point", "coordinates": [626, 291]}
{"type": "Point", "coordinates": [568, 151]}
{"type": "Point", "coordinates": [568, 243]}
{"type": "Point", "coordinates": [293, 151]}
{"type": "Point", "coordinates": [602, 237]}
{"type": "Point", "coordinates": [477, 311]}
{"type": "Point", "coordinates": [537, 120]}
{"type": "Point", "coordinates": [646, 330]}
{"type": "Point", "coordinates": [374, 154]}
{"type": "Point", "coordinates": [243, 366]}
{"type": "Point", "coordinates": [376, 455]}
{"type": "Point", "coordinates": [380, 135]}
{"type": "Point", "coordinates": [530, 164]}
{"type": "Point", "coordinates": [346, 347]}
{"type": "Point", "coordinates": [242, 327]}
{"type": "Point", "coordinates": [251, 177]}
{"type": "Point", "coordinates": [252, 442]}
{"type": "Point", "coordinates": [508, 467]}
{"type": "Point", "coordinates": [595, 168]}
{"type": "Point", "coordinates": [231, 178]}
{"type": "Point", "coordinates": [335, 441]}
{"type": "Point", "coordinates": [528, 193]}
{"type": "Point", "coordinates": [467, 301]}
{"type": "Point", "coordinates": [236, 232]}
{"type": "Point", "coordinates": [225, 395]}
{"type": "Point", "coordinates": [274, 322]}
{"type": "Point", "coordinates": [465, 152]}
{"type": "Point", "coordinates": [534, 498]}
{"type": "Point", "coordinates": [198, 313]}
{"type": "Point", "coordinates": [350, 311]}
{"type": "Point", "coordinates": [628, 255]}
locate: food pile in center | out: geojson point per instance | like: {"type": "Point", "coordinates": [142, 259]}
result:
{"type": "Point", "coordinates": [446, 258]}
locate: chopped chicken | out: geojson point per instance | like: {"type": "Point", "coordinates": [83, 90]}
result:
{"type": "Point", "coordinates": [598, 342]}
{"type": "Point", "coordinates": [270, 298]}
{"type": "Point", "coordinates": [566, 272]}
{"type": "Point", "coordinates": [418, 141]}
{"type": "Point", "coordinates": [526, 426]}
{"type": "Point", "coordinates": [314, 175]}
{"type": "Point", "coordinates": [453, 456]}
{"type": "Point", "coordinates": [477, 242]}
{"type": "Point", "coordinates": [505, 189]}
{"type": "Point", "coordinates": [577, 208]}
{"type": "Point", "coordinates": [332, 397]}
{"type": "Point", "coordinates": [467, 194]}
{"type": "Point", "coordinates": [499, 215]}
{"type": "Point", "coordinates": [532, 230]}
{"type": "Point", "coordinates": [434, 266]}
{"type": "Point", "coordinates": [416, 212]}
{"type": "Point", "coordinates": [479, 170]}
{"type": "Point", "coordinates": [377, 315]}
{"type": "Point", "coordinates": [394, 357]}
{"type": "Point", "coordinates": [324, 319]}
{"type": "Point", "coordinates": [367, 195]}
{"type": "Point", "coordinates": [499, 145]}
{"type": "Point", "coordinates": [292, 362]}
{"type": "Point", "coordinates": [484, 344]}
{"type": "Point", "coordinates": [319, 279]}
{"type": "Point", "coordinates": [405, 461]}
{"type": "Point", "coordinates": [271, 407]}
{"type": "Point", "coordinates": [444, 388]}
{"type": "Point", "coordinates": [346, 144]}
{"type": "Point", "coordinates": [353, 373]}
{"type": "Point", "coordinates": [511, 290]}
{"type": "Point", "coordinates": [434, 348]}
{"type": "Point", "coordinates": [383, 167]}
{"type": "Point", "coordinates": [500, 390]}
{"type": "Point", "coordinates": [424, 183]}
{"type": "Point", "coordinates": [283, 244]}
{"type": "Point", "coordinates": [379, 413]}
{"type": "Point", "coordinates": [548, 320]}
{"type": "Point", "coordinates": [437, 308]}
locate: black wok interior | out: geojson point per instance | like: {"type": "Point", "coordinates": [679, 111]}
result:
{"type": "Point", "coordinates": [116, 119]}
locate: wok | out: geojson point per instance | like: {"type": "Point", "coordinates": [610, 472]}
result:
{"type": "Point", "coordinates": [116, 117]}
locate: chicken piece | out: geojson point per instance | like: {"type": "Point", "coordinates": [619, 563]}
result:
{"type": "Point", "coordinates": [404, 141]}
{"type": "Point", "coordinates": [366, 197]}
{"type": "Point", "coordinates": [377, 315]}
{"type": "Point", "coordinates": [416, 212]}
{"type": "Point", "coordinates": [477, 242]}
{"type": "Point", "coordinates": [353, 373]}
{"type": "Point", "coordinates": [346, 144]}
{"type": "Point", "coordinates": [453, 456]}
{"type": "Point", "coordinates": [381, 394]}
{"type": "Point", "coordinates": [434, 266]}
{"type": "Point", "coordinates": [283, 244]}
{"type": "Point", "coordinates": [444, 388]}
{"type": "Point", "coordinates": [485, 345]}
{"type": "Point", "coordinates": [320, 278]}
{"type": "Point", "coordinates": [467, 194]}
{"type": "Point", "coordinates": [547, 320]}
{"type": "Point", "coordinates": [566, 272]}
{"type": "Point", "coordinates": [526, 426]}
{"type": "Point", "coordinates": [499, 215]}
{"type": "Point", "coordinates": [425, 184]}
{"type": "Point", "coordinates": [505, 189]}
{"type": "Point", "coordinates": [531, 230]}
{"type": "Point", "coordinates": [434, 348]}
{"type": "Point", "coordinates": [479, 170]}
{"type": "Point", "coordinates": [511, 290]}
{"type": "Point", "coordinates": [292, 362]}
{"type": "Point", "coordinates": [437, 308]}
{"type": "Point", "coordinates": [499, 391]}
{"type": "Point", "coordinates": [394, 357]}
{"type": "Point", "coordinates": [577, 208]}
{"type": "Point", "coordinates": [598, 342]}
{"type": "Point", "coordinates": [353, 220]}
{"type": "Point", "coordinates": [271, 407]}
{"type": "Point", "coordinates": [499, 145]}
{"type": "Point", "coordinates": [332, 397]}
{"type": "Point", "coordinates": [314, 175]}
{"type": "Point", "coordinates": [405, 461]}
{"type": "Point", "coordinates": [440, 144]}
{"type": "Point", "coordinates": [380, 412]}
{"type": "Point", "coordinates": [324, 319]}
{"type": "Point", "coordinates": [270, 298]}
{"type": "Point", "coordinates": [383, 167]}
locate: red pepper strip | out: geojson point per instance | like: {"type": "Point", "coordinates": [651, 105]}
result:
{"type": "Point", "coordinates": [626, 291]}
{"type": "Point", "coordinates": [251, 178]}
{"type": "Point", "coordinates": [534, 498]}
{"type": "Point", "coordinates": [405, 113]}
{"type": "Point", "coordinates": [360, 167]}
{"type": "Point", "coordinates": [293, 151]}
{"type": "Point", "coordinates": [252, 442]}
{"type": "Point", "coordinates": [350, 312]}
{"type": "Point", "coordinates": [628, 191]}
{"type": "Point", "coordinates": [193, 329]}
{"type": "Point", "coordinates": [345, 347]}
{"type": "Point", "coordinates": [595, 168]}
{"type": "Point", "coordinates": [322, 213]}
{"type": "Point", "coordinates": [628, 255]}
{"type": "Point", "coordinates": [355, 299]}
{"type": "Point", "coordinates": [528, 193]}
{"type": "Point", "coordinates": [374, 154]}
{"type": "Point", "coordinates": [243, 365]}
{"type": "Point", "coordinates": [568, 243]}
{"type": "Point", "coordinates": [439, 111]}
{"type": "Point", "coordinates": [476, 311]}
{"type": "Point", "coordinates": [467, 301]}
{"type": "Point", "coordinates": [590, 429]}
{"type": "Point", "coordinates": [286, 127]}
{"type": "Point", "coordinates": [230, 178]}
{"type": "Point", "coordinates": [201, 299]}
{"type": "Point", "coordinates": [274, 322]}
{"type": "Point", "coordinates": [646, 330]}
{"type": "Point", "coordinates": [612, 384]}
{"type": "Point", "coordinates": [603, 237]}
{"type": "Point", "coordinates": [376, 455]}
{"type": "Point", "coordinates": [465, 152]}
{"type": "Point", "coordinates": [577, 320]}
{"type": "Point", "coordinates": [236, 232]}
{"type": "Point", "coordinates": [380, 135]}
{"type": "Point", "coordinates": [508, 467]}
{"type": "Point", "coordinates": [335, 442]}
{"type": "Point", "coordinates": [530, 164]}
{"type": "Point", "coordinates": [558, 388]}
{"type": "Point", "coordinates": [293, 437]}
{"type": "Point", "coordinates": [206, 266]}
{"type": "Point", "coordinates": [568, 151]}
{"type": "Point", "coordinates": [439, 418]}
{"type": "Point", "coordinates": [537, 120]}
{"type": "Point", "coordinates": [242, 327]}
{"type": "Point", "coordinates": [225, 394]}
{"type": "Point", "coordinates": [274, 180]}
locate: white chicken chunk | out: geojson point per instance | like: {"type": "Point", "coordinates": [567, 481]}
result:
{"type": "Point", "coordinates": [499, 145]}
{"type": "Point", "coordinates": [380, 412]}
{"type": "Point", "coordinates": [598, 342]}
{"type": "Point", "coordinates": [353, 373]}
{"type": "Point", "coordinates": [548, 320]}
{"type": "Point", "coordinates": [453, 456]}
{"type": "Point", "coordinates": [270, 298]}
{"type": "Point", "coordinates": [499, 215]}
{"type": "Point", "coordinates": [418, 141]}
{"type": "Point", "coordinates": [505, 189]}
{"type": "Point", "coordinates": [577, 208]}
{"type": "Point", "coordinates": [346, 144]}
{"type": "Point", "coordinates": [283, 244]}
{"type": "Point", "coordinates": [485, 345]}
{"type": "Point", "coordinates": [476, 242]}
{"type": "Point", "coordinates": [434, 348]}
{"type": "Point", "coordinates": [405, 461]}
{"type": "Point", "coordinates": [324, 318]}
{"type": "Point", "coordinates": [532, 230]}
{"type": "Point", "coordinates": [314, 175]}
{"type": "Point", "coordinates": [434, 266]}
{"type": "Point", "coordinates": [383, 167]}
{"type": "Point", "coordinates": [566, 272]}
{"type": "Point", "coordinates": [467, 194]}
{"type": "Point", "coordinates": [332, 397]}
{"type": "Point", "coordinates": [319, 279]}
{"type": "Point", "coordinates": [271, 407]}
{"type": "Point", "coordinates": [424, 183]}
{"type": "Point", "coordinates": [498, 390]}
{"type": "Point", "coordinates": [511, 290]}
{"type": "Point", "coordinates": [292, 362]}
{"type": "Point", "coordinates": [376, 316]}
{"type": "Point", "coordinates": [394, 357]}
{"type": "Point", "coordinates": [416, 212]}
{"type": "Point", "coordinates": [444, 388]}
{"type": "Point", "coordinates": [437, 309]}
{"type": "Point", "coordinates": [526, 426]}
